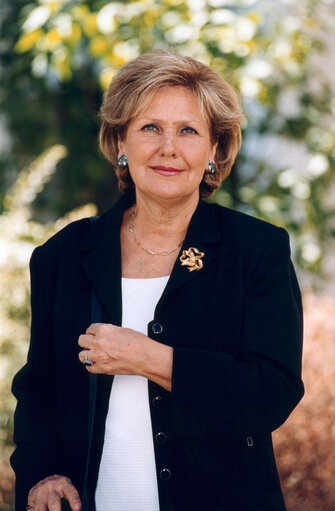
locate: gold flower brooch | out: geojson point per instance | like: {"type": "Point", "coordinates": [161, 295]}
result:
{"type": "Point", "coordinates": [192, 258]}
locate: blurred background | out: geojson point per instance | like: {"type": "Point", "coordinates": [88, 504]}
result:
{"type": "Point", "coordinates": [56, 60]}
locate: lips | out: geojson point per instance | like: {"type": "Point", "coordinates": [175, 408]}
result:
{"type": "Point", "coordinates": [166, 171]}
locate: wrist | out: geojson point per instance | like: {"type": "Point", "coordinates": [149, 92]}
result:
{"type": "Point", "coordinates": [157, 362]}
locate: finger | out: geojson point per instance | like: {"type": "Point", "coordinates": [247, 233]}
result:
{"type": "Point", "coordinates": [40, 505]}
{"type": "Point", "coordinates": [86, 355]}
{"type": "Point", "coordinates": [54, 502]}
{"type": "Point", "coordinates": [92, 329]}
{"type": "Point", "coordinates": [93, 368]}
{"type": "Point", "coordinates": [31, 497]}
{"type": "Point", "coordinates": [72, 496]}
{"type": "Point", "coordinates": [86, 341]}
{"type": "Point", "coordinates": [81, 356]}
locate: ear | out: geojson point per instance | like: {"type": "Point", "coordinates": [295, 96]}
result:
{"type": "Point", "coordinates": [213, 151]}
{"type": "Point", "coordinates": [120, 145]}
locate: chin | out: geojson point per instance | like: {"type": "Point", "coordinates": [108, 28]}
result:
{"type": "Point", "coordinates": [174, 193]}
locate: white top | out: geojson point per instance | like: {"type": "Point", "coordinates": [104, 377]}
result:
{"type": "Point", "coordinates": [127, 475]}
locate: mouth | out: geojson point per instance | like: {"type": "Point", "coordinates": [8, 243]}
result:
{"type": "Point", "coordinates": [166, 171]}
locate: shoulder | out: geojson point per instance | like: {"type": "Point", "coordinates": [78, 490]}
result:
{"type": "Point", "coordinates": [70, 235]}
{"type": "Point", "coordinates": [63, 242]}
{"type": "Point", "coordinates": [242, 221]}
{"type": "Point", "coordinates": [250, 242]}
{"type": "Point", "coordinates": [245, 229]}
{"type": "Point", "coordinates": [259, 248]}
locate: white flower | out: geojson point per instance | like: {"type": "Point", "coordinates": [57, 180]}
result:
{"type": "Point", "coordinates": [259, 68]}
{"type": "Point", "coordinates": [222, 16]}
{"type": "Point", "coordinates": [128, 50]}
{"type": "Point", "coordinates": [288, 178]}
{"type": "Point", "coordinates": [302, 190]}
{"type": "Point", "coordinates": [105, 18]}
{"type": "Point", "coordinates": [182, 33]}
{"type": "Point", "coordinates": [63, 24]}
{"type": "Point", "coordinates": [37, 18]}
{"type": "Point", "coordinates": [196, 5]}
{"type": "Point", "coordinates": [249, 87]}
{"type": "Point", "coordinates": [317, 165]}
{"type": "Point", "coordinates": [311, 251]}
{"type": "Point", "coordinates": [246, 29]}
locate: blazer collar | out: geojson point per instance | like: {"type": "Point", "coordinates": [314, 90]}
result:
{"type": "Point", "coordinates": [107, 226]}
{"type": "Point", "coordinates": [100, 251]}
{"type": "Point", "coordinates": [100, 255]}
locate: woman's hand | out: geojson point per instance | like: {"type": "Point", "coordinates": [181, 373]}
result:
{"type": "Point", "coordinates": [116, 350]}
{"type": "Point", "coordinates": [46, 495]}
{"type": "Point", "coordinates": [113, 350]}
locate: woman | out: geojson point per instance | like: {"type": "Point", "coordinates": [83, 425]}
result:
{"type": "Point", "coordinates": [197, 356]}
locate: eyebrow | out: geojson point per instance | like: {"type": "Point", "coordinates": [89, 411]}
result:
{"type": "Point", "coordinates": [188, 121]}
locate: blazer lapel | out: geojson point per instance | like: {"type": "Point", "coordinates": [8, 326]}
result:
{"type": "Point", "coordinates": [203, 234]}
{"type": "Point", "coordinates": [100, 254]}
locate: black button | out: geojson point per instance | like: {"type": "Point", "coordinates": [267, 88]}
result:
{"type": "Point", "coordinates": [161, 437]}
{"type": "Point", "coordinates": [157, 328]}
{"type": "Point", "coordinates": [157, 401]}
{"type": "Point", "coordinates": [165, 474]}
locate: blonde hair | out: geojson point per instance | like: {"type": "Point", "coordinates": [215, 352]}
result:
{"type": "Point", "coordinates": [132, 89]}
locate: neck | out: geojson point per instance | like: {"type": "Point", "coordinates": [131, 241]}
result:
{"type": "Point", "coordinates": [166, 219]}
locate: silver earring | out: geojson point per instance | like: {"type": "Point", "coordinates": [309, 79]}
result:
{"type": "Point", "coordinates": [123, 161]}
{"type": "Point", "coordinates": [211, 167]}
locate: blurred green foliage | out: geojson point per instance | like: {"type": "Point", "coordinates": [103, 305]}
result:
{"type": "Point", "coordinates": [56, 60]}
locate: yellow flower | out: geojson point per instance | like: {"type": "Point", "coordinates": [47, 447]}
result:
{"type": "Point", "coordinates": [251, 45]}
{"type": "Point", "coordinates": [28, 40]}
{"type": "Point", "coordinates": [98, 46]}
{"type": "Point", "coordinates": [90, 24]}
{"type": "Point", "coordinates": [263, 94]}
{"type": "Point", "coordinates": [64, 71]}
{"type": "Point", "coordinates": [116, 60]}
{"type": "Point", "coordinates": [61, 63]}
{"type": "Point", "coordinates": [147, 3]}
{"type": "Point", "coordinates": [106, 76]}
{"type": "Point", "coordinates": [54, 36]}
{"type": "Point", "coordinates": [149, 19]}
{"type": "Point", "coordinates": [304, 42]}
{"type": "Point", "coordinates": [79, 11]}
{"type": "Point", "coordinates": [54, 6]}
{"type": "Point", "coordinates": [173, 2]}
{"type": "Point", "coordinates": [75, 34]}
{"type": "Point", "coordinates": [255, 17]}
{"type": "Point", "coordinates": [51, 40]}
{"type": "Point", "coordinates": [310, 22]}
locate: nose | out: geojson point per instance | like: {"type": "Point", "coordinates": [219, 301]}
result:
{"type": "Point", "coordinates": [168, 145]}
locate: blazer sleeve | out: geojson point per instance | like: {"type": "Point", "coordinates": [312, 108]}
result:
{"type": "Point", "coordinates": [255, 391]}
{"type": "Point", "coordinates": [35, 420]}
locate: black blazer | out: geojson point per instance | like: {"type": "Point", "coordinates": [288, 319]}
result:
{"type": "Point", "coordinates": [236, 329]}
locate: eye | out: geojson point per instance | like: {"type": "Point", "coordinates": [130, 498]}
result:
{"type": "Point", "coordinates": [189, 131]}
{"type": "Point", "coordinates": [149, 127]}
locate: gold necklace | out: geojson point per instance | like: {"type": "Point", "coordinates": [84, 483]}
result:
{"type": "Point", "coordinates": [147, 250]}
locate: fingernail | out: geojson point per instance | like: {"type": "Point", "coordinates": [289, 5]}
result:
{"type": "Point", "coordinates": [77, 505]}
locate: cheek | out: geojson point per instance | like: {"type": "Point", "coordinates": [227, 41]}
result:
{"type": "Point", "coordinates": [198, 155]}
{"type": "Point", "coordinates": [142, 150]}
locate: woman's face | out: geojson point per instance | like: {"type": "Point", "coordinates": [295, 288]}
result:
{"type": "Point", "coordinates": [168, 146]}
